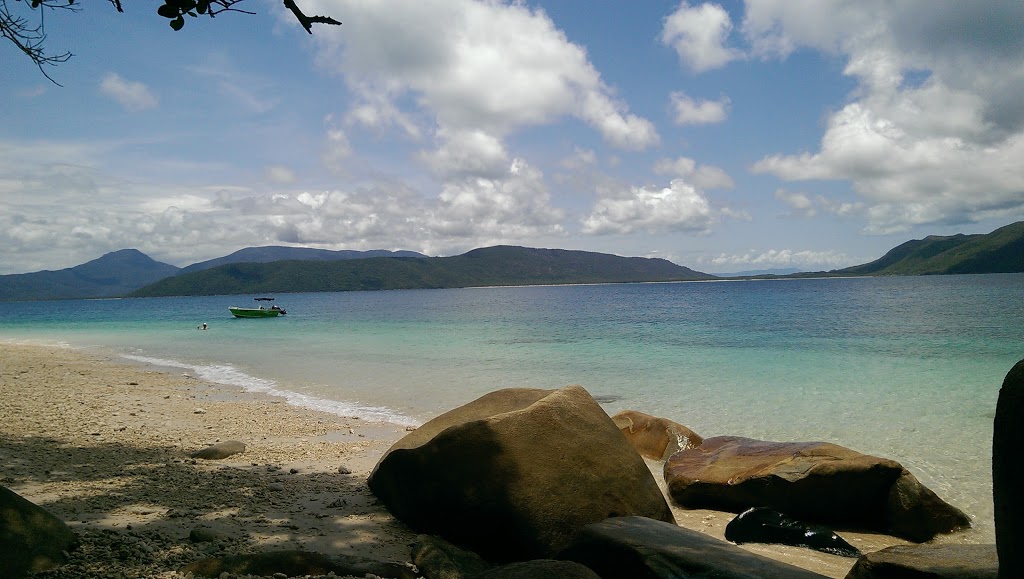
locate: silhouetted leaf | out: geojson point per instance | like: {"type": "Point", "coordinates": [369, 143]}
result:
{"type": "Point", "coordinates": [168, 11]}
{"type": "Point", "coordinates": [178, 22]}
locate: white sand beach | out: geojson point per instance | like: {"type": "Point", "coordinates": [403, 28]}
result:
{"type": "Point", "coordinates": [105, 446]}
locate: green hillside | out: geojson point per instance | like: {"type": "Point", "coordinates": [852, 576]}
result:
{"type": "Point", "coordinates": [493, 266]}
{"type": "Point", "coordinates": [1001, 251]}
{"type": "Point", "coordinates": [113, 274]}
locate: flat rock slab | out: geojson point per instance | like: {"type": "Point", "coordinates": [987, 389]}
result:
{"type": "Point", "coordinates": [220, 450]}
{"type": "Point", "coordinates": [928, 561]}
{"type": "Point", "coordinates": [31, 538]}
{"type": "Point", "coordinates": [637, 547]}
{"type": "Point", "coordinates": [813, 481]}
{"type": "Point", "coordinates": [540, 569]}
{"type": "Point", "coordinates": [297, 563]}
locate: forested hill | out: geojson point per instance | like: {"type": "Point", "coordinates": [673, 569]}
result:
{"type": "Point", "coordinates": [270, 253]}
{"type": "Point", "coordinates": [492, 266]}
{"type": "Point", "coordinates": [113, 274]}
{"type": "Point", "coordinates": [1001, 251]}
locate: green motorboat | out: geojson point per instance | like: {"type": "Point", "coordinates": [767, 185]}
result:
{"type": "Point", "coordinates": [260, 312]}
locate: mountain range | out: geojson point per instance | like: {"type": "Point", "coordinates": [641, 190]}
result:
{"type": "Point", "coordinates": [274, 269]}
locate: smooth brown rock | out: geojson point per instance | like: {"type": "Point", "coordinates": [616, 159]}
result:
{"type": "Point", "coordinates": [653, 437]}
{"type": "Point", "coordinates": [636, 547]}
{"type": "Point", "coordinates": [31, 539]}
{"type": "Point", "coordinates": [220, 450]}
{"type": "Point", "coordinates": [516, 473]}
{"type": "Point", "coordinates": [928, 561]}
{"type": "Point", "coordinates": [813, 481]}
{"type": "Point", "coordinates": [1008, 473]}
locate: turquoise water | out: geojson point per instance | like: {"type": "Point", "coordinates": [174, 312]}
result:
{"type": "Point", "coordinates": [907, 368]}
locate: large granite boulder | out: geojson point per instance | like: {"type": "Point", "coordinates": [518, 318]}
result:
{"type": "Point", "coordinates": [1008, 473]}
{"type": "Point", "coordinates": [516, 473]}
{"type": "Point", "coordinates": [931, 561]}
{"type": "Point", "coordinates": [654, 437]}
{"type": "Point", "coordinates": [813, 481]}
{"type": "Point", "coordinates": [637, 547]}
{"type": "Point", "coordinates": [31, 538]}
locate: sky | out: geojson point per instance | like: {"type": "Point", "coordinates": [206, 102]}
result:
{"type": "Point", "coordinates": [725, 137]}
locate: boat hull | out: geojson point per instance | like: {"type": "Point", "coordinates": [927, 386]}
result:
{"type": "Point", "coordinates": [255, 312]}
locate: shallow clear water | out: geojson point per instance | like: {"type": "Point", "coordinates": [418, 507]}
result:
{"type": "Point", "coordinates": [907, 368]}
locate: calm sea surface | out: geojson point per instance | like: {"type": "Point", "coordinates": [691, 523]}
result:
{"type": "Point", "coordinates": [908, 368]}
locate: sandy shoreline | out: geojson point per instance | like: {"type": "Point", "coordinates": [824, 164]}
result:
{"type": "Point", "coordinates": [105, 445]}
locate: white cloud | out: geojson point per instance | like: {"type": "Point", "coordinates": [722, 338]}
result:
{"type": "Point", "coordinates": [702, 176]}
{"type": "Point", "coordinates": [806, 260]}
{"type": "Point", "coordinates": [337, 148]}
{"type": "Point", "coordinates": [467, 152]}
{"type": "Point", "coordinates": [800, 203]}
{"type": "Point", "coordinates": [690, 112]}
{"type": "Point", "coordinates": [280, 174]}
{"type": "Point", "coordinates": [699, 34]}
{"type": "Point", "coordinates": [945, 149]}
{"type": "Point", "coordinates": [677, 208]}
{"type": "Point", "coordinates": [487, 68]}
{"type": "Point", "coordinates": [134, 96]}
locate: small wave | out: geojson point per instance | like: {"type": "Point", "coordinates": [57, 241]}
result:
{"type": "Point", "coordinates": [231, 376]}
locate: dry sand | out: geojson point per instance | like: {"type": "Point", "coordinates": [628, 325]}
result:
{"type": "Point", "coordinates": [105, 446]}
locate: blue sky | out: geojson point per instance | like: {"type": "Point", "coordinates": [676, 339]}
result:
{"type": "Point", "coordinates": [808, 134]}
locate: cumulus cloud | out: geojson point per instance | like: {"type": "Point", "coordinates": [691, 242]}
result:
{"type": "Point", "coordinates": [702, 176]}
{"type": "Point", "coordinates": [699, 35]}
{"type": "Point", "coordinates": [41, 211]}
{"type": "Point", "coordinates": [469, 152]}
{"type": "Point", "coordinates": [803, 205]}
{"type": "Point", "coordinates": [800, 203]}
{"type": "Point", "coordinates": [337, 148]}
{"type": "Point", "coordinates": [687, 111]}
{"type": "Point", "coordinates": [677, 208]}
{"type": "Point", "coordinates": [931, 135]}
{"type": "Point", "coordinates": [483, 68]}
{"type": "Point", "coordinates": [805, 260]}
{"type": "Point", "coordinates": [134, 96]}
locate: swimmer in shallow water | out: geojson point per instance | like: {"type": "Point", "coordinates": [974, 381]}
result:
{"type": "Point", "coordinates": [202, 326]}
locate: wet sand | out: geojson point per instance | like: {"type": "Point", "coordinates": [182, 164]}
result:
{"type": "Point", "coordinates": [105, 446]}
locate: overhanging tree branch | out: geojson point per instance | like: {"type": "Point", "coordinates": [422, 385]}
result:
{"type": "Point", "coordinates": [308, 21]}
{"type": "Point", "coordinates": [25, 24]}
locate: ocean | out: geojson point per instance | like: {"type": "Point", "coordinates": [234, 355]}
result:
{"type": "Point", "coordinates": [907, 368]}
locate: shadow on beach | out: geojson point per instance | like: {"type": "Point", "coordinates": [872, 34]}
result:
{"type": "Point", "coordinates": [144, 510]}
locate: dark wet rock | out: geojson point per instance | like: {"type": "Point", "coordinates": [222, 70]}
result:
{"type": "Point", "coordinates": [439, 559]}
{"type": "Point", "coordinates": [813, 481]}
{"type": "Point", "coordinates": [1008, 473]}
{"type": "Point", "coordinates": [764, 525]}
{"type": "Point", "coordinates": [540, 569]}
{"type": "Point", "coordinates": [641, 547]}
{"type": "Point", "coordinates": [220, 450]}
{"type": "Point", "coordinates": [928, 562]}
{"type": "Point", "coordinates": [653, 437]}
{"type": "Point", "coordinates": [516, 473]}
{"type": "Point", "coordinates": [297, 563]}
{"type": "Point", "coordinates": [31, 539]}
